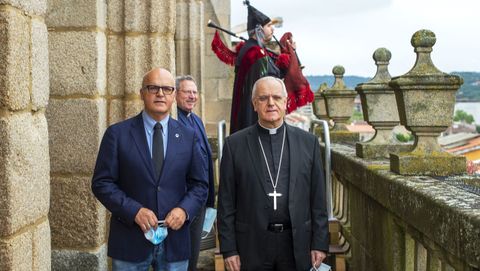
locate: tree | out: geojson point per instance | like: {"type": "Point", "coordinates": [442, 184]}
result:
{"type": "Point", "coordinates": [463, 116]}
{"type": "Point", "coordinates": [404, 137]}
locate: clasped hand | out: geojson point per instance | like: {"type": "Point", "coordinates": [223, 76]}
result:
{"type": "Point", "coordinates": [147, 219]}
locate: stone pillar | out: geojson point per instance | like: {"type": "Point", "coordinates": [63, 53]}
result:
{"type": "Point", "coordinates": [96, 73]}
{"type": "Point", "coordinates": [218, 76]}
{"type": "Point", "coordinates": [426, 98]}
{"type": "Point", "coordinates": [379, 110]}
{"type": "Point", "coordinates": [77, 115]}
{"type": "Point", "coordinates": [339, 101]}
{"type": "Point", "coordinates": [189, 45]}
{"type": "Point", "coordinates": [319, 107]}
{"type": "Point", "coordinates": [24, 157]}
{"type": "Point", "coordinates": [148, 32]}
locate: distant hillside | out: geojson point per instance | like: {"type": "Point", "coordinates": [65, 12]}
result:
{"type": "Point", "coordinates": [469, 91]}
{"type": "Point", "coordinates": [351, 81]}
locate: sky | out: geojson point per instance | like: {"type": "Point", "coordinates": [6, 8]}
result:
{"type": "Point", "coordinates": [347, 32]}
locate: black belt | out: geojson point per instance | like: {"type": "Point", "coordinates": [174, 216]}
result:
{"type": "Point", "coordinates": [279, 227]}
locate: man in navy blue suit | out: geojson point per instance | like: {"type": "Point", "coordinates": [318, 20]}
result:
{"type": "Point", "coordinates": [187, 97]}
{"type": "Point", "coordinates": [150, 168]}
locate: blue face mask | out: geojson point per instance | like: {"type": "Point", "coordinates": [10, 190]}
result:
{"type": "Point", "coordinates": [210, 216]}
{"type": "Point", "coordinates": [157, 236]}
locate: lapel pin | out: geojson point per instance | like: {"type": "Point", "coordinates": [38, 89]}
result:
{"type": "Point", "coordinates": [177, 135]}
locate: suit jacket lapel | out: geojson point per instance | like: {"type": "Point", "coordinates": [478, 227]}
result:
{"type": "Point", "coordinates": [203, 133]}
{"type": "Point", "coordinates": [294, 147]}
{"type": "Point", "coordinates": [256, 158]}
{"type": "Point", "coordinates": [139, 137]}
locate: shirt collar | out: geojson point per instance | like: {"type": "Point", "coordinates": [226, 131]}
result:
{"type": "Point", "coordinates": [184, 112]}
{"type": "Point", "coordinates": [270, 131]}
{"type": "Point", "coordinates": [149, 122]}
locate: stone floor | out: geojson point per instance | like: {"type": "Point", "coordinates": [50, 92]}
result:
{"type": "Point", "coordinates": [206, 260]}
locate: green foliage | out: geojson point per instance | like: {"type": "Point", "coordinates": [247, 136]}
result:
{"type": "Point", "coordinates": [462, 116]}
{"type": "Point", "coordinates": [470, 90]}
{"type": "Point", "coordinates": [404, 137]}
{"type": "Point", "coordinates": [357, 115]}
{"type": "Point", "coordinates": [478, 129]}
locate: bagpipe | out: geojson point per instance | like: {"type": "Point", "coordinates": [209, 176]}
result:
{"type": "Point", "coordinates": [299, 92]}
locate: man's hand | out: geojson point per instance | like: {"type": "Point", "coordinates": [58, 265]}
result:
{"type": "Point", "coordinates": [317, 257]}
{"type": "Point", "coordinates": [175, 218]}
{"type": "Point", "coordinates": [232, 263]}
{"type": "Point", "coordinates": [146, 219]}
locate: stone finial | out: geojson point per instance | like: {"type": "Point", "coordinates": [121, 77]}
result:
{"type": "Point", "coordinates": [339, 85]}
{"type": "Point", "coordinates": [379, 110]}
{"type": "Point", "coordinates": [382, 58]}
{"type": "Point", "coordinates": [339, 101]}
{"type": "Point", "coordinates": [426, 99]}
{"type": "Point", "coordinates": [319, 107]}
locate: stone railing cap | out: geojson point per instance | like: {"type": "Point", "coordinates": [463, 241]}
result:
{"type": "Point", "coordinates": [339, 85]}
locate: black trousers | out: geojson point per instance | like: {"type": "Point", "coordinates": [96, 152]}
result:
{"type": "Point", "coordinates": [279, 252]}
{"type": "Point", "coordinates": [195, 239]}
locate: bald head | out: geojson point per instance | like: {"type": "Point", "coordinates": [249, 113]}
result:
{"type": "Point", "coordinates": [158, 93]}
{"type": "Point", "coordinates": [157, 74]}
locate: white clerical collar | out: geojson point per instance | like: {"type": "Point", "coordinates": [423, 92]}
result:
{"type": "Point", "coordinates": [271, 131]}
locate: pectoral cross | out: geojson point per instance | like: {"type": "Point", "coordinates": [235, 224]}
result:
{"type": "Point", "coordinates": [274, 195]}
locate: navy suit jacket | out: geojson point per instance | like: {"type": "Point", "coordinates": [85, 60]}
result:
{"type": "Point", "coordinates": [123, 181]}
{"type": "Point", "coordinates": [206, 155]}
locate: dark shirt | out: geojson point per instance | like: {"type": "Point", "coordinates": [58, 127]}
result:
{"type": "Point", "coordinates": [194, 125]}
{"type": "Point", "coordinates": [272, 144]}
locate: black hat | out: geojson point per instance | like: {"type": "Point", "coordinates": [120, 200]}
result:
{"type": "Point", "coordinates": [255, 17]}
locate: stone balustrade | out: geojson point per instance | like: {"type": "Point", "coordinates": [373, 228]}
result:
{"type": "Point", "coordinates": [392, 215]}
{"type": "Point", "coordinates": [395, 222]}
{"type": "Point", "coordinates": [380, 110]}
{"type": "Point", "coordinates": [339, 102]}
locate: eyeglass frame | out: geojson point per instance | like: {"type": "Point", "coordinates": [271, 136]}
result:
{"type": "Point", "coordinates": [166, 90]}
{"type": "Point", "coordinates": [189, 92]}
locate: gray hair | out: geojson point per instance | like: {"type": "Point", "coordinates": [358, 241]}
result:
{"type": "Point", "coordinates": [269, 78]}
{"type": "Point", "coordinates": [182, 78]}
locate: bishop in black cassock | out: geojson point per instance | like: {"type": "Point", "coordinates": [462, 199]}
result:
{"type": "Point", "coordinates": [272, 205]}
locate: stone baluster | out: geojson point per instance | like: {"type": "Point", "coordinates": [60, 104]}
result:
{"type": "Point", "coordinates": [319, 107]}
{"type": "Point", "coordinates": [425, 99]}
{"type": "Point", "coordinates": [339, 102]}
{"type": "Point", "coordinates": [379, 110]}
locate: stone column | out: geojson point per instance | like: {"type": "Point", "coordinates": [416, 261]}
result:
{"type": "Point", "coordinates": [24, 157]}
{"type": "Point", "coordinates": [77, 115]}
{"type": "Point", "coordinates": [339, 101]}
{"type": "Point", "coordinates": [426, 98]}
{"type": "Point", "coordinates": [218, 76]}
{"type": "Point", "coordinates": [379, 110]}
{"type": "Point", "coordinates": [320, 108]}
{"type": "Point", "coordinates": [189, 45]}
{"type": "Point", "coordinates": [148, 30]}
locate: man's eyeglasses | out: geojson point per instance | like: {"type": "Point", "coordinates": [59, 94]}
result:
{"type": "Point", "coordinates": [265, 98]}
{"type": "Point", "coordinates": [166, 90]}
{"type": "Point", "coordinates": [189, 92]}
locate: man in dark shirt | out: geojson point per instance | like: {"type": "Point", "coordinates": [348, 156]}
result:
{"type": "Point", "coordinates": [187, 97]}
